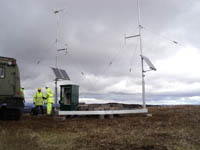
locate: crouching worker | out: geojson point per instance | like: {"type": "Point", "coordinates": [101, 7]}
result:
{"type": "Point", "coordinates": [49, 100]}
{"type": "Point", "coordinates": [38, 101]}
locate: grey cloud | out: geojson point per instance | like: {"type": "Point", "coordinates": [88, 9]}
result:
{"type": "Point", "coordinates": [94, 33]}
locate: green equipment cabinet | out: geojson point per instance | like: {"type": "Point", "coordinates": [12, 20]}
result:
{"type": "Point", "coordinates": [69, 97]}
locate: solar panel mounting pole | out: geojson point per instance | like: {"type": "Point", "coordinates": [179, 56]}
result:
{"type": "Point", "coordinates": [57, 39]}
{"type": "Point", "coordinates": [143, 58]}
{"type": "Point", "coordinates": [56, 88]}
{"type": "Point", "coordinates": [141, 51]}
{"type": "Point", "coordinates": [141, 54]}
{"type": "Point", "coordinates": [56, 12]}
{"type": "Point", "coordinates": [56, 93]}
{"type": "Point", "coordinates": [57, 32]}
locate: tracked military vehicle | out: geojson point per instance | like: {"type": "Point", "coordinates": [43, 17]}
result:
{"type": "Point", "coordinates": [11, 99]}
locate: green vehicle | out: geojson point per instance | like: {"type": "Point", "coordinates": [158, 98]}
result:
{"type": "Point", "coordinates": [11, 98]}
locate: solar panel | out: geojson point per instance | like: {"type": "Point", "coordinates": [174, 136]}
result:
{"type": "Point", "coordinates": [64, 74]}
{"type": "Point", "coordinates": [60, 74]}
{"type": "Point", "coordinates": [149, 63]}
{"type": "Point", "coordinates": [57, 73]}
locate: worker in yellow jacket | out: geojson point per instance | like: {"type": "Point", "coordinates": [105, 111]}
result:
{"type": "Point", "coordinates": [22, 93]}
{"type": "Point", "coordinates": [38, 100]}
{"type": "Point", "coordinates": [49, 100]}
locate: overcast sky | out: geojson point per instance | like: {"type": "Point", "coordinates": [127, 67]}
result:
{"type": "Point", "coordinates": [106, 67]}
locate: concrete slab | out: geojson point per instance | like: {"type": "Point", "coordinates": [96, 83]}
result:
{"type": "Point", "coordinates": [103, 112]}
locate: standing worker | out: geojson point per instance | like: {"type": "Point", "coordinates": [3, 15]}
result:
{"type": "Point", "coordinates": [22, 93]}
{"type": "Point", "coordinates": [49, 100]}
{"type": "Point", "coordinates": [38, 100]}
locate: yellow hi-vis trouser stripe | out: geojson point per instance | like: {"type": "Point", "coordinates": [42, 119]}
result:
{"type": "Point", "coordinates": [49, 108]}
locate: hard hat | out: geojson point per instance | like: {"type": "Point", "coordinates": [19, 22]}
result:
{"type": "Point", "coordinates": [39, 89]}
{"type": "Point", "coordinates": [47, 86]}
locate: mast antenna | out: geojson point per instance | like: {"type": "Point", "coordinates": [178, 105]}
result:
{"type": "Point", "coordinates": [56, 70]}
{"type": "Point", "coordinates": [143, 58]}
{"type": "Point", "coordinates": [57, 12]}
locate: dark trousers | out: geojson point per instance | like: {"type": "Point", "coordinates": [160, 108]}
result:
{"type": "Point", "coordinates": [41, 109]}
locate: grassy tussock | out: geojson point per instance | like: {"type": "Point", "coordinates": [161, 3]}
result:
{"type": "Point", "coordinates": [19, 140]}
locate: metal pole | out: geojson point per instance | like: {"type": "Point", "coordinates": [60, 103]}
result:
{"type": "Point", "coordinates": [56, 94]}
{"type": "Point", "coordinates": [143, 75]}
{"type": "Point", "coordinates": [56, 60]}
{"type": "Point", "coordinates": [57, 36]}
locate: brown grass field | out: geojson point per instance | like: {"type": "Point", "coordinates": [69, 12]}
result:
{"type": "Point", "coordinates": [169, 128]}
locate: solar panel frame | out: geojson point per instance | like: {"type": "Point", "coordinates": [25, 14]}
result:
{"type": "Point", "coordinates": [60, 74]}
{"type": "Point", "coordinates": [57, 73]}
{"type": "Point", "coordinates": [149, 63]}
{"type": "Point", "coordinates": [64, 74]}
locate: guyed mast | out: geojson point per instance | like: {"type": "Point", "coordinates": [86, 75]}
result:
{"type": "Point", "coordinates": [143, 58]}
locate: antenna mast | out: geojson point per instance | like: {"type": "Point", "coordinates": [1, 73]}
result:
{"type": "Point", "coordinates": [57, 34]}
{"type": "Point", "coordinates": [56, 12]}
{"type": "Point", "coordinates": [141, 54]}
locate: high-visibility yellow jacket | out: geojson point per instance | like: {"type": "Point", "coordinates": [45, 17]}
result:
{"type": "Point", "coordinates": [38, 99]}
{"type": "Point", "coordinates": [22, 92]}
{"type": "Point", "coordinates": [49, 96]}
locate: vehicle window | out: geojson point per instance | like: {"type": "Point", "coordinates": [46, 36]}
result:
{"type": "Point", "coordinates": [2, 73]}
